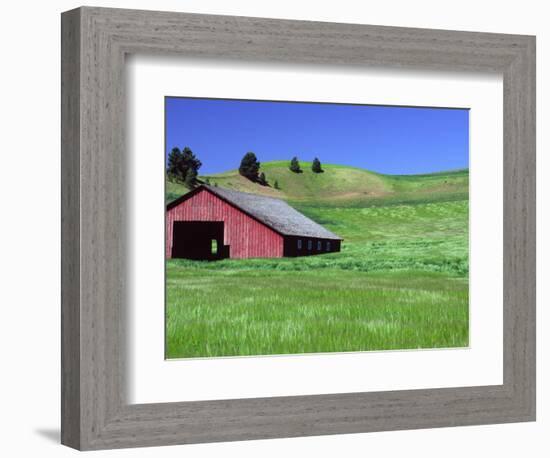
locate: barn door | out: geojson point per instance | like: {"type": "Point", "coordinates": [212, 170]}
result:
{"type": "Point", "coordinates": [200, 240]}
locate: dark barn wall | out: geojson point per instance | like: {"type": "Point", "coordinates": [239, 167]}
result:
{"type": "Point", "coordinates": [247, 237]}
{"type": "Point", "coordinates": [291, 246]}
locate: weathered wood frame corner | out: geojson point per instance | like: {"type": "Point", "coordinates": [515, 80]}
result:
{"type": "Point", "coordinates": [95, 41]}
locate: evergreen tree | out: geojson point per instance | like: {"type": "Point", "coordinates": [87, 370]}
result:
{"type": "Point", "coordinates": [316, 166]}
{"type": "Point", "coordinates": [172, 168]}
{"type": "Point", "coordinates": [262, 179]}
{"type": "Point", "coordinates": [191, 179]}
{"type": "Point", "coordinates": [276, 185]}
{"type": "Point", "coordinates": [189, 162]}
{"type": "Point", "coordinates": [207, 181]}
{"type": "Point", "coordinates": [249, 166]}
{"type": "Point", "coordinates": [295, 165]}
{"type": "Point", "coordinates": [183, 166]}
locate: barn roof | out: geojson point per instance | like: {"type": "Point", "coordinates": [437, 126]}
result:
{"type": "Point", "coordinates": [275, 213]}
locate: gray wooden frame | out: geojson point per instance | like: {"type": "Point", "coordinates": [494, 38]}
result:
{"type": "Point", "coordinates": [95, 413]}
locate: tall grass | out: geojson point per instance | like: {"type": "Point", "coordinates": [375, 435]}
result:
{"type": "Point", "coordinates": [250, 313]}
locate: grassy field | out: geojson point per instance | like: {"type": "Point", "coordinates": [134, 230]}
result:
{"type": "Point", "coordinates": [400, 282]}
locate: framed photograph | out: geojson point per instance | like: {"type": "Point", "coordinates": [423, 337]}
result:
{"type": "Point", "coordinates": [277, 228]}
{"type": "Point", "coordinates": [355, 239]}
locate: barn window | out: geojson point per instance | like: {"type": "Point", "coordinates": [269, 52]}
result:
{"type": "Point", "coordinates": [299, 244]}
{"type": "Point", "coordinates": [214, 246]}
{"type": "Point", "coordinates": [309, 244]}
{"type": "Point", "coordinates": [328, 246]}
{"type": "Point", "coordinates": [318, 245]}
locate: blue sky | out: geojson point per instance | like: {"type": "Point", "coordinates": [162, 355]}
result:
{"type": "Point", "coordinates": [385, 139]}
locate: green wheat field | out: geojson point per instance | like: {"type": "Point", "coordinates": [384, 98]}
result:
{"type": "Point", "coordinates": [400, 281]}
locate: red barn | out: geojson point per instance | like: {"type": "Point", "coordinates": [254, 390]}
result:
{"type": "Point", "coordinates": [215, 223]}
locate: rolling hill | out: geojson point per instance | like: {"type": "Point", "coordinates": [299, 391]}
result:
{"type": "Point", "coordinates": [341, 185]}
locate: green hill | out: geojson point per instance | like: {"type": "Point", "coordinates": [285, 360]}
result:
{"type": "Point", "coordinates": [341, 185]}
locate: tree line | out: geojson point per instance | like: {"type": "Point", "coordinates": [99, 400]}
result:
{"type": "Point", "coordinates": [183, 167]}
{"type": "Point", "coordinates": [250, 168]}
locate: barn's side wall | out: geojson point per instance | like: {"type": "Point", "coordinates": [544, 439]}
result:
{"type": "Point", "coordinates": [291, 247]}
{"type": "Point", "coordinates": [247, 237]}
